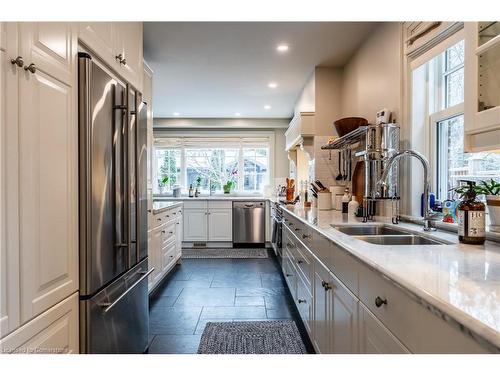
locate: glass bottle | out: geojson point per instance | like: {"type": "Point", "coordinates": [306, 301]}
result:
{"type": "Point", "coordinates": [471, 217]}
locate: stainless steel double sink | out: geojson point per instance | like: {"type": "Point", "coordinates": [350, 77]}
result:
{"type": "Point", "coordinates": [386, 235]}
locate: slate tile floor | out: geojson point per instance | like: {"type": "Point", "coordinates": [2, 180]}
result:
{"type": "Point", "coordinates": [216, 290]}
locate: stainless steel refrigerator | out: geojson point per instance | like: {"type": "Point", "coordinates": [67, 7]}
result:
{"type": "Point", "coordinates": [114, 316]}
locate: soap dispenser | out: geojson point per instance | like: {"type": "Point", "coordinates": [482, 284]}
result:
{"type": "Point", "coordinates": [471, 215]}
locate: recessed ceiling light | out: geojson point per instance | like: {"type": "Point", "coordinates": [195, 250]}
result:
{"type": "Point", "coordinates": [267, 106]}
{"type": "Point", "coordinates": [176, 114]}
{"type": "Point", "coordinates": [272, 85]}
{"type": "Point", "coordinates": [282, 48]}
{"type": "Point", "coordinates": [237, 114]}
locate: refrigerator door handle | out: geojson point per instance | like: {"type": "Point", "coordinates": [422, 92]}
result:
{"type": "Point", "coordinates": [109, 305]}
{"type": "Point", "coordinates": [120, 196]}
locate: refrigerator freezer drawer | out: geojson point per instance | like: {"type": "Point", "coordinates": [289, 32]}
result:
{"type": "Point", "coordinates": [116, 320]}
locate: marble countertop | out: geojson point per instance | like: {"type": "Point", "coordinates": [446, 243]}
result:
{"type": "Point", "coordinates": [164, 205]}
{"type": "Point", "coordinates": [463, 281]}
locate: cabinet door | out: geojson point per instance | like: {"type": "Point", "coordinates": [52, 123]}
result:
{"type": "Point", "coordinates": [99, 37]}
{"type": "Point", "coordinates": [322, 310]}
{"type": "Point", "coordinates": [9, 188]}
{"type": "Point", "coordinates": [128, 36]}
{"type": "Point", "coordinates": [48, 192]}
{"type": "Point", "coordinates": [374, 338]}
{"type": "Point", "coordinates": [195, 224]}
{"type": "Point", "coordinates": [344, 326]}
{"type": "Point", "coordinates": [220, 224]}
{"type": "Point", "coordinates": [53, 332]}
{"type": "Point", "coordinates": [51, 46]}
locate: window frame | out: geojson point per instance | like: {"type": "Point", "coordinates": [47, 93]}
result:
{"type": "Point", "coordinates": [434, 120]}
{"type": "Point", "coordinates": [268, 141]}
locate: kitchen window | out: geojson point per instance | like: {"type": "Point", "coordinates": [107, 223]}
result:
{"type": "Point", "coordinates": [438, 90]}
{"type": "Point", "coordinates": [244, 161]}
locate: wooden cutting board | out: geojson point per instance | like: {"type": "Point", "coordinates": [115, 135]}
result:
{"type": "Point", "coordinates": [358, 181]}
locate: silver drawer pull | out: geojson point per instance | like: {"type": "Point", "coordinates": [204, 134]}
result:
{"type": "Point", "coordinates": [109, 305]}
{"type": "Point", "coordinates": [379, 301]}
{"type": "Point", "coordinates": [300, 262]}
{"type": "Point", "coordinates": [306, 236]}
{"type": "Point", "coordinates": [301, 301]}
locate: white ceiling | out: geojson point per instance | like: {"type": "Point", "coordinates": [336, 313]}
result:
{"type": "Point", "coordinates": [215, 69]}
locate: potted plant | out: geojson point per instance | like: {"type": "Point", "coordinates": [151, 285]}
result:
{"type": "Point", "coordinates": [228, 186]}
{"type": "Point", "coordinates": [162, 183]}
{"type": "Point", "coordinates": [230, 183]}
{"type": "Point", "coordinates": [491, 191]}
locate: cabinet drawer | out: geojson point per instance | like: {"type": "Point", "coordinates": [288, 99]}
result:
{"type": "Point", "coordinates": [414, 325]}
{"type": "Point", "coordinates": [169, 216]}
{"type": "Point", "coordinates": [291, 277]}
{"type": "Point", "coordinates": [169, 255]}
{"type": "Point", "coordinates": [304, 303]}
{"type": "Point", "coordinates": [321, 248]}
{"type": "Point", "coordinates": [158, 220]}
{"type": "Point", "coordinates": [304, 264]}
{"type": "Point", "coordinates": [168, 234]}
{"type": "Point", "coordinates": [196, 204]}
{"type": "Point", "coordinates": [344, 266]}
{"type": "Point", "coordinates": [220, 204]}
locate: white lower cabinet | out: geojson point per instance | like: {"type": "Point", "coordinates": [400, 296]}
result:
{"type": "Point", "coordinates": [195, 224]}
{"type": "Point", "coordinates": [52, 332]}
{"type": "Point", "coordinates": [355, 309]}
{"type": "Point", "coordinates": [335, 314]}
{"type": "Point", "coordinates": [374, 337]}
{"type": "Point", "coordinates": [208, 221]}
{"type": "Point", "coordinates": [164, 243]}
{"type": "Point", "coordinates": [220, 224]}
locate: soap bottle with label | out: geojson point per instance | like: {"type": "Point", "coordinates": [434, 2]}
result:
{"type": "Point", "coordinates": [191, 191]}
{"type": "Point", "coordinates": [471, 216]}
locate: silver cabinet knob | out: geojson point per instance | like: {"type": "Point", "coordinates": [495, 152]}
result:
{"type": "Point", "coordinates": [17, 61]}
{"type": "Point", "coordinates": [123, 62]}
{"type": "Point", "coordinates": [30, 68]}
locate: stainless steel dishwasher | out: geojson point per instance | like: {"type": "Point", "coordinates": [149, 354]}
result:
{"type": "Point", "coordinates": [249, 224]}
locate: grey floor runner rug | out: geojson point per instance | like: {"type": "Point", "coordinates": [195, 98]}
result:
{"type": "Point", "coordinates": [223, 253]}
{"type": "Point", "coordinates": [253, 337]}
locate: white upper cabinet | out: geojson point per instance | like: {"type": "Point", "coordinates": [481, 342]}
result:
{"type": "Point", "coordinates": [48, 156]}
{"type": "Point", "coordinates": [129, 45]}
{"type": "Point", "coordinates": [482, 87]}
{"type": "Point", "coordinates": [119, 44]}
{"type": "Point", "coordinates": [99, 36]}
{"type": "Point", "coordinates": [50, 47]}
